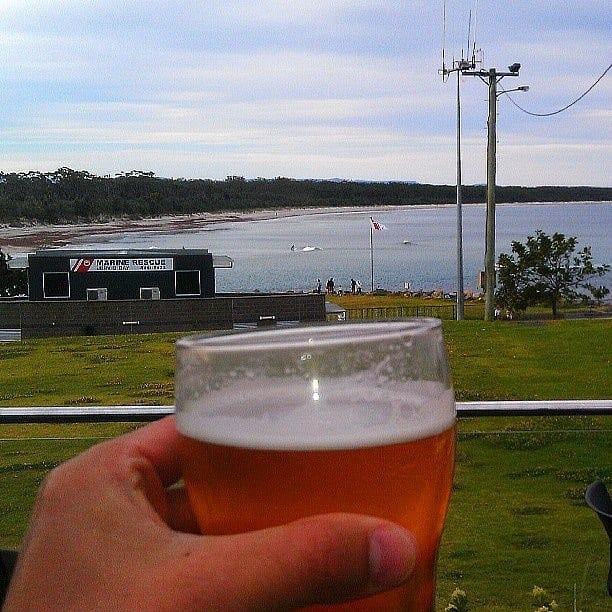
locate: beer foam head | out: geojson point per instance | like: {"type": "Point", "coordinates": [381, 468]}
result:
{"type": "Point", "coordinates": [269, 391]}
{"type": "Point", "coordinates": [332, 418]}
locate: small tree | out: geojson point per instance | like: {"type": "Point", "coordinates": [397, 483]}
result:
{"type": "Point", "coordinates": [545, 270]}
{"type": "Point", "coordinates": [512, 282]}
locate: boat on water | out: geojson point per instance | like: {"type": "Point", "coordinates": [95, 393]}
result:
{"type": "Point", "coordinates": [306, 248]}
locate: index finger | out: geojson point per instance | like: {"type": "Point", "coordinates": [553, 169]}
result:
{"type": "Point", "coordinates": [158, 442]}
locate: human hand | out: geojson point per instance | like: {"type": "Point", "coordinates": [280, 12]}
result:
{"type": "Point", "coordinates": [109, 530]}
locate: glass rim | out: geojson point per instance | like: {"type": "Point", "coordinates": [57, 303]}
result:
{"type": "Point", "coordinates": [330, 334]}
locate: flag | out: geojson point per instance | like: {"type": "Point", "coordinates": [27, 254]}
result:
{"type": "Point", "coordinates": [376, 225]}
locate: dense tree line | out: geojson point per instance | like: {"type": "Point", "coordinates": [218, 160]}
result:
{"type": "Point", "coordinates": [70, 196]}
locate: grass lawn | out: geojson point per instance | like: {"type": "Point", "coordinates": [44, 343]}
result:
{"type": "Point", "coordinates": [100, 370]}
{"type": "Point", "coordinates": [503, 360]}
{"type": "Point", "coordinates": [533, 360]}
{"type": "Point", "coordinates": [517, 517]}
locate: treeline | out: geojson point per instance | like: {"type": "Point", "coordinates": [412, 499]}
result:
{"type": "Point", "coordinates": [73, 196]}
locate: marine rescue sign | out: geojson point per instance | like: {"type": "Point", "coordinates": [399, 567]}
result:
{"type": "Point", "coordinates": [140, 264]}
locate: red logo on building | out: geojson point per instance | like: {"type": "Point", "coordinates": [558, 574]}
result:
{"type": "Point", "coordinates": [82, 265]}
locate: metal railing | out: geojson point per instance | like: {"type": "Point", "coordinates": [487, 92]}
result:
{"type": "Point", "coordinates": [399, 312]}
{"type": "Point", "coordinates": [100, 414]}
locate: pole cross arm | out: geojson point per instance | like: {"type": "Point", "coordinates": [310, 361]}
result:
{"type": "Point", "coordinates": [486, 73]}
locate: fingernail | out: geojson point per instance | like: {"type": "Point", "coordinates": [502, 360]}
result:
{"type": "Point", "coordinates": [392, 556]}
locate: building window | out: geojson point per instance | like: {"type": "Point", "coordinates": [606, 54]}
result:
{"type": "Point", "coordinates": [149, 293]}
{"type": "Point", "coordinates": [187, 282]}
{"type": "Point", "coordinates": [56, 285]}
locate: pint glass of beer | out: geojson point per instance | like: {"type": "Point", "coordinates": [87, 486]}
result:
{"type": "Point", "coordinates": [353, 417]}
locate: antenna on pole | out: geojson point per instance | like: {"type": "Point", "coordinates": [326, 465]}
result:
{"type": "Point", "coordinates": [444, 73]}
{"type": "Point", "coordinates": [467, 48]}
{"type": "Point", "coordinates": [474, 37]}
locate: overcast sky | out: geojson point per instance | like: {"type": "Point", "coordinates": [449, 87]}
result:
{"type": "Point", "coordinates": [317, 89]}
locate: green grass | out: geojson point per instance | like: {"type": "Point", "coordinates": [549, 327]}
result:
{"type": "Point", "coordinates": [504, 360]}
{"type": "Point", "coordinates": [27, 453]}
{"type": "Point", "coordinates": [517, 517]}
{"type": "Point", "coordinates": [531, 360]}
{"type": "Point", "coordinates": [133, 369]}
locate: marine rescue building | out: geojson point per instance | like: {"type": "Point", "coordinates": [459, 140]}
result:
{"type": "Point", "coordinates": [122, 275]}
{"type": "Point", "coordinates": [80, 292]}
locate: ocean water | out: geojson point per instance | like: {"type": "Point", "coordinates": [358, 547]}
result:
{"type": "Point", "coordinates": [417, 247]}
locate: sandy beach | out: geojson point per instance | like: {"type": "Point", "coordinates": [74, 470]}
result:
{"type": "Point", "coordinates": [25, 238]}
{"type": "Point", "coordinates": [17, 239]}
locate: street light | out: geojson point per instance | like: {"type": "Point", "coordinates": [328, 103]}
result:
{"type": "Point", "coordinates": [507, 91]}
{"type": "Point", "coordinates": [492, 77]}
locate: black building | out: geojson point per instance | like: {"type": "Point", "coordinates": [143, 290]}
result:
{"type": "Point", "coordinates": [152, 274]}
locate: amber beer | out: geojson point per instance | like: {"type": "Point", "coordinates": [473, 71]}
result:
{"type": "Point", "coordinates": [253, 456]}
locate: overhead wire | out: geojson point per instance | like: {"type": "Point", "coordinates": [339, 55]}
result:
{"type": "Point", "coordinates": [556, 112]}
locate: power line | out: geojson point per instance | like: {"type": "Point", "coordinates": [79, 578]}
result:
{"type": "Point", "coordinates": [565, 107]}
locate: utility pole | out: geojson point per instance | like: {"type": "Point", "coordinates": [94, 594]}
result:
{"type": "Point", "coordinates": [490, 225]}
{"type": "Point", "coordinates": [492, 77]}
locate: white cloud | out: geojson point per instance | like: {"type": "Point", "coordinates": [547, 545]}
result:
{"type": "Point", "coordinates": [347, 88]}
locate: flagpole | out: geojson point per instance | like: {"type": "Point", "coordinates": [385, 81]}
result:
{"type": "Point", "coordinates": [372, 255]}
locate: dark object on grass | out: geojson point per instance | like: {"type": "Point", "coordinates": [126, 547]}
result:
{"type": "Point", "coordinates": [8, 559]}
{"type": "Point", "coordinates": [598, 498]}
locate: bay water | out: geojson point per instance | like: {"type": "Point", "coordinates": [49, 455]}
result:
{"type": "Point", "coordinates": [418, 246]}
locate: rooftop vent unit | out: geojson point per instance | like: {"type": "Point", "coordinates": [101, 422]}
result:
{"type": "Point", "coordinates": [149, 293]}
{"type": "Point", "coordinates": [97, 295]}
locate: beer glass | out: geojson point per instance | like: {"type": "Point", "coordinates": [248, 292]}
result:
{"type": "Point", "coordinates": [344, 417]}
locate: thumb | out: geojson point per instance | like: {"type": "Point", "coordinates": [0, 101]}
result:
{"type": "Point", "coordinates": [321, 559]}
